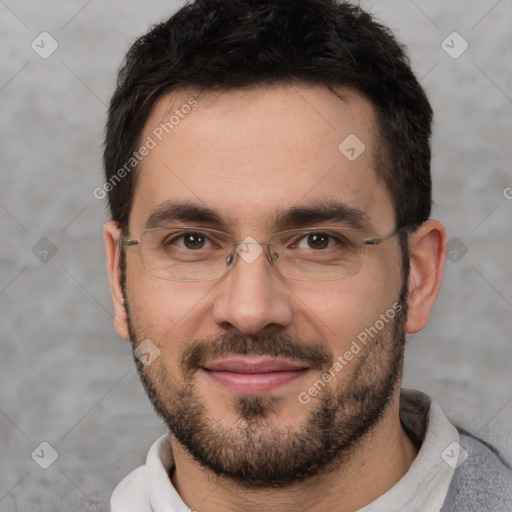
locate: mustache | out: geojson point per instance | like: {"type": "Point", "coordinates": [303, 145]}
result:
{"type": "Point", "coordinates": [198, 353]}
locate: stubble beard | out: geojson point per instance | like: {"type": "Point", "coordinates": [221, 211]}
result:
{"type": "Point", "coordinates": [259, 450]}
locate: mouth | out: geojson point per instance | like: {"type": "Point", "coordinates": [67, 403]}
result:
{"type": "Point", "coordinates": [253, 375]}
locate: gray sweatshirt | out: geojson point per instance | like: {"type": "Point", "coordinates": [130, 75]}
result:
{"type": "Point", "coordinates": [483, 483]}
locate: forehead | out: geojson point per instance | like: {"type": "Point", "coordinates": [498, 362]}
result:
{"type": "Point", "coordinates": [252, 155]}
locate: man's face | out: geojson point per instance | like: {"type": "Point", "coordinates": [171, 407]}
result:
{"type": "Point", "coordinates": [247, 155]}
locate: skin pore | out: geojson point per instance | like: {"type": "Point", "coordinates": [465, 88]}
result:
{"type": "Point", "coordinates": [246, 155]}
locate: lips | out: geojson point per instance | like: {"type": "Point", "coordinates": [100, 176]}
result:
{"type": "Point", "coordinates": [250, 375]}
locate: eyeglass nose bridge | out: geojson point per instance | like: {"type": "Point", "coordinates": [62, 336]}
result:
{"type": "Point", "coordinates": [230, 259]}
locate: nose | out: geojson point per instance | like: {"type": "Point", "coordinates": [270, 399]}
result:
{"type": "Point", "coordinates": [252, 296]}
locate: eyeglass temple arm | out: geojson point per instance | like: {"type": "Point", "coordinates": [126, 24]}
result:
{"type": "Point", "coordinates": [378, 240]}
{"type": "Point", "coordinates": [126, 242]}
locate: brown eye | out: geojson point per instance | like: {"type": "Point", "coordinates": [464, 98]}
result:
{"type": "Point", "coordinates": [190, 240]}
{"type": "Point", "coordinates": [318, 240]}
{"type": "Point", "coordinates": [321, 240]}
{"type": "Point", "coordinates": [194, 240]}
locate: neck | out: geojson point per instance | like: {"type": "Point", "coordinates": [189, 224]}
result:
{"type": "Point", "coordinates": [377, 463]}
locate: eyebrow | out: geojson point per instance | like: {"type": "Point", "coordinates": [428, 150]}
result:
{"type": "Point", "coordinates": [317, 212]}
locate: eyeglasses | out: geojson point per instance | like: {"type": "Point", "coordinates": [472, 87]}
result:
{"type": "Point", "coordinates": [202, 254]}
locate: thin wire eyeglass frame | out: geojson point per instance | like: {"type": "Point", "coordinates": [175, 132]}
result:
{"type": "Point", "coordinates": [231, 259]}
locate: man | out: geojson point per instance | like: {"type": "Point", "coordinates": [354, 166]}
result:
{"type": "Point", "coordinates": [268, 171]}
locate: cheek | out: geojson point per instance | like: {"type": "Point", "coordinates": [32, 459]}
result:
{"type": "Point", "coordinates": [165, 311]}
{"type": "Point", "coordinates": [341, 310]}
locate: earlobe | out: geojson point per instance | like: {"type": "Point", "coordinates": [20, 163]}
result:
{"type": "Point", "coordinates": [427, 253]}
{"type": "Point", "coordinates": [111, 234]}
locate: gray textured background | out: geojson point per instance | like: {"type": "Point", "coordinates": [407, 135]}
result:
{"type": "Point", "coordinates": [65, 376]}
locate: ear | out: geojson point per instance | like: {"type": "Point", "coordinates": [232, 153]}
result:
{"type": "Point", "coordinates": [111, 234]}
{"type": "Point", "coordinates": [427, 252]}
